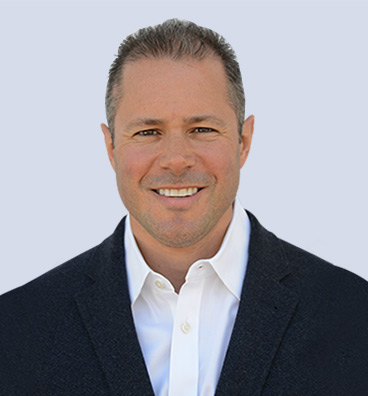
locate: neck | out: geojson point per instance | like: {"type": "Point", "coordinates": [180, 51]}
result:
{"type": "Point", "coordinates": [173, 263]}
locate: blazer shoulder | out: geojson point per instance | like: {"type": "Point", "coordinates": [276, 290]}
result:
{"type": "Point", "coordinates": [60, 282]}
{"type": "Point", "coordinates": [305, 269]}
{"type": "Point", "coordinates": [338, 295]}
{"type": "Point", "coordinates": [70, 276]}
{"type": "Point", "coordinates": [317, 268]}
{"type": "Point", "coordinates": [56, 286]}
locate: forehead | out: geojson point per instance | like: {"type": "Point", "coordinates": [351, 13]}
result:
{"type": "Point", "coordinates": [166, 73]}
{"type": "Point", "coordinates": [162, 86]}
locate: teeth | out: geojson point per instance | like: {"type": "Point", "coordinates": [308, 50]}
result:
{"type": "Point", "coordinates": [173, 192]}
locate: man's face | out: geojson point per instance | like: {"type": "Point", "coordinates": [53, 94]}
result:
{"type": "Point", "coordinates": [176, 154]}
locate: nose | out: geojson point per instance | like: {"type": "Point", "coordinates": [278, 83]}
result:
{"type": "Point", "coordinates": [177, 154]}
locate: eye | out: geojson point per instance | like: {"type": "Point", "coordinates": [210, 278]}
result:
{"type": "Point", "coordinates": [147, 132]}
{"type": "Point", "coordinates": [203, 130]}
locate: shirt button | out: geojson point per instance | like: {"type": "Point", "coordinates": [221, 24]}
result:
{"type": "Point", "coordinates": [185, 327]}
{"type": "Point", "coordinates": [159, 284]}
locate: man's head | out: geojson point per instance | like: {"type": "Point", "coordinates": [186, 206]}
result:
{"type": "Point", "coordinates": [176, 40]}
{"type": "Point", "coordinates": [177, 150]}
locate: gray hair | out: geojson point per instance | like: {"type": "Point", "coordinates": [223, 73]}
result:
{"type": "Point", "coordinates": [175, 39]}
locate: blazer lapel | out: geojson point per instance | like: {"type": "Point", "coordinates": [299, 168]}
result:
{"type": "Point", "coordinates": [265, 309]}
{"type": "Point", "coordinates": [106, 313]}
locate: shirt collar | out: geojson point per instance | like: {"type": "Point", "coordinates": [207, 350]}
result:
{"type": "Point", "coordinates": [233, 254]}
{"type": "Point", "coordinates": [137, 268]}
{"type": "Point", "coordinates": [230, 261]}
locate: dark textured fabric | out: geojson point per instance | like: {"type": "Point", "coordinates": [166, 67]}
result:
{"type": "Point", "coordinates": [301, 329]}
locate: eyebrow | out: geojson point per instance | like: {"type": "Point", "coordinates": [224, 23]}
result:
{"type": "Point", "coordinates": [140, 122]}
{"type": "Point", "coordinates": [204, 118]}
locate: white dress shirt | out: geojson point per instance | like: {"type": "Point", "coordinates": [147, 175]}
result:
{"type": "Point", "coordinates": [184, 337]}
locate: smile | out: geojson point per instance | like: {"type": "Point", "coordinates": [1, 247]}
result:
{"type": "Point", "coordinates": [177, 193]}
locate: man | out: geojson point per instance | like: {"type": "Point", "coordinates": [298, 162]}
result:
{"type": "Point", "coordinates": [190, 295]}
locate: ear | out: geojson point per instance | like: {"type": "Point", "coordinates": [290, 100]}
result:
{"type": "Point", "coordinates": [246, 139]}
{"type": "Point", "coordinates": [109, 144]}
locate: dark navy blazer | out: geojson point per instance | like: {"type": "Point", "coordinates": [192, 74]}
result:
{"type": "Point", "coordinates": [301, 328]}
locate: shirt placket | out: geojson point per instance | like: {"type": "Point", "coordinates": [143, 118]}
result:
{"type": "Point", "coordinates": [184, 353]}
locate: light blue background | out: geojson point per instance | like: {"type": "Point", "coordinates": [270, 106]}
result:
{"type": "Point", "coordinates": [304, 67]}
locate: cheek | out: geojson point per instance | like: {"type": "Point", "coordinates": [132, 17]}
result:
{"type": "Point", "coordinates": [132, 165]}
{"type": "Point", "coordinates": [223, 160]}
{"type": "Point", "coordinates": [127, 177]}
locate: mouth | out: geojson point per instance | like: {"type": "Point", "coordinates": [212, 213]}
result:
{"type": "Point", "coordinates": [177, 193]}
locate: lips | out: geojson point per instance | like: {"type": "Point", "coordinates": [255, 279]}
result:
{"type": "Point", "coordinates": [177, 193]}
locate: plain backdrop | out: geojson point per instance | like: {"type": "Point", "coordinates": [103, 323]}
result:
{"type": "Point", "coordinates": [304, 68]}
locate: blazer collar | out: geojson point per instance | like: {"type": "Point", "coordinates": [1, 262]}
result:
{"type": "Point", "coordinates": [265, 309]}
